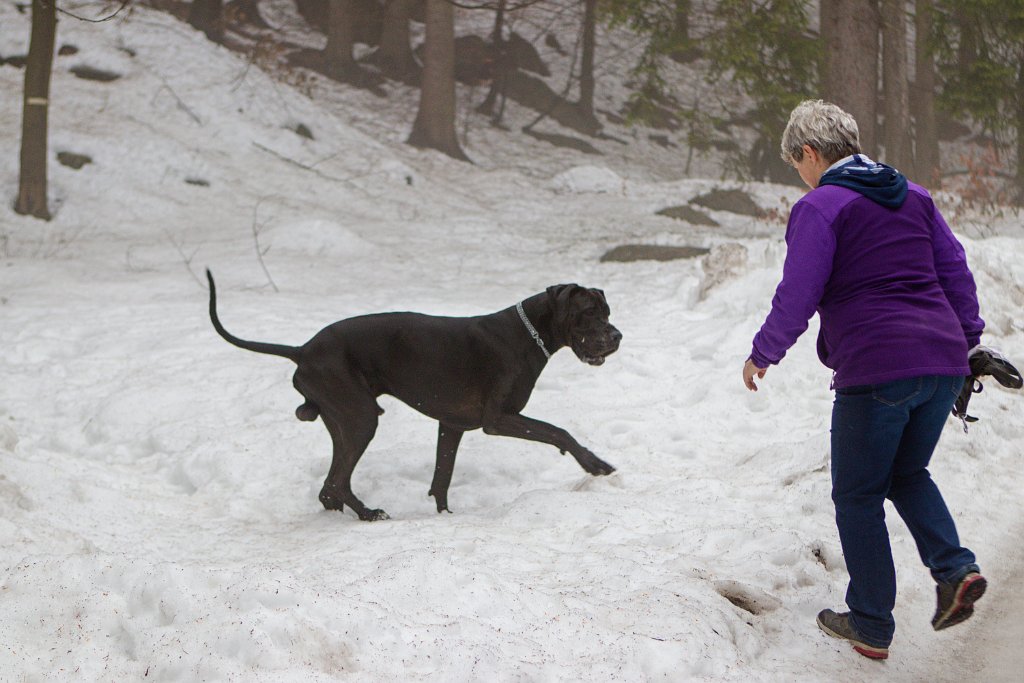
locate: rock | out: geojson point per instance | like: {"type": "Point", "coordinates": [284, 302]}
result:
{"type": "Point", "coordinates": [725, 262]}
{"type": "Point", "coordinates": [587, 180]}
{"type": "Point", "coordinates": [72, 160]}
{"type": "Point", "coordinates": [734, 201]}
{"type": "Point", "coordinates": [90, 73]}
{"type": "Point", "coordinates": [652, 252]}
{"type": "Point", "coordinates": [688, 214]}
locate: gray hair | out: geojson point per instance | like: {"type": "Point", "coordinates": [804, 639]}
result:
{"type": "Point", "coordinates": [825, 127]}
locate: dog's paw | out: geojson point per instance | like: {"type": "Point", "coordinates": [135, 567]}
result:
{"type": "Point", "coordinates": [374, 516]}
{"type": "Point", "coordinates": [595, 465]}
{"type": "Point", "coordinates": [592, 464]}
{"type": "Point", "coordinates": [330, 502]}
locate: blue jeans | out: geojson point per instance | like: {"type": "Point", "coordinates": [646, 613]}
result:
{"type": "Point", "coordinates": [883, 436]}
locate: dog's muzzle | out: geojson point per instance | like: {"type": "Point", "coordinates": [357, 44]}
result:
{"type": "Point", "coordinates": [594, 354]}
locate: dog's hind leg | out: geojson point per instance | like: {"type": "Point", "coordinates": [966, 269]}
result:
{"type": "Point", "coordinates": [448, 439]}
{"type": "Point", "coordinates": [351, 428]}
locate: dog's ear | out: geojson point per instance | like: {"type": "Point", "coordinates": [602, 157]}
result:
{"type": "Point", "coordinates": [603, 299]}
{"type": "Point", "coordinates": [560, 292]}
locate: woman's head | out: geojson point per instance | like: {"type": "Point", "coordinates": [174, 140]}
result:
{"type": "Point", "coordinates": [823, 126]}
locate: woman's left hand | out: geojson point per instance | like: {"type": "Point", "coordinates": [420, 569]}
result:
{"type": "Point", "coordinates": [749, 370]}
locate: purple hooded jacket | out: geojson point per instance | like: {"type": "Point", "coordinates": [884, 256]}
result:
{"type": "Point", "coordinates": [891, 286]}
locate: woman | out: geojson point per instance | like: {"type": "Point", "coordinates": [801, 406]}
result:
{"type": "Point", "coordinates": [898, 307]}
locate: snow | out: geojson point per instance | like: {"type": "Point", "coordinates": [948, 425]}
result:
{"type": "Point", "coordinates": [587, 179]}
{"type": "Point", "coordinates": [158, 499]}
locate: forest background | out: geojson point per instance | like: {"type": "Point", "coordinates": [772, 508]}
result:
{"type": "Point", "coordinates": [911, 73]}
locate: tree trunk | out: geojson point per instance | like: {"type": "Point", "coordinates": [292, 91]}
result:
{"type": "Point", "coordinates": [682, 20]}
{"type": "Point", "coordinates": [967, 48]}
{"type": "Point", "coordinates": [434, 127]}
{"type": "Point", "coordinates": [35, 108]}
{"type": "Point", "coordinates": [926, 133]}
{"type": "Point", "coordinates": [683, 49]}
{"type": "Point", "coordinates": [208, 17]}
{"type": "Point", "coordinates": [850, 32]}
{"type": "Point", "coordinates": [586, 103]}
{"type": "Point", "coordinates": [395, 57]}
{"type": "Point", "coordinates": [500, 67]}
{"type": "Point", "coordinates": [897, 135]}
{"type": "Point", "coordinates": [338, 60]}
{"type": "Point", "coordinates": [1020, 130]}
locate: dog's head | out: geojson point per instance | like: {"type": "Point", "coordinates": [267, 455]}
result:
{"type": "Point", "coordinates": [581, 319]}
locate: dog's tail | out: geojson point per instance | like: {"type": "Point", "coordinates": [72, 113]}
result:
{"type": "Point", "coordinates": [291, 352]}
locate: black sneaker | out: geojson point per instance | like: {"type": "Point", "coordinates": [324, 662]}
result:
{"type": "Point", "coordinates": [839, 626]}
{"type": "Point", "coordinates": [955, 601]}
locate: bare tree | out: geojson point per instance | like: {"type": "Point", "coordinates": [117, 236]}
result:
{"type": "Point", "coordinates": [338, 59]}
{"type": "Point", "coordinates": [35, 109]}
{"type": "Point", "coordinates": [434, 127]}
{"type": "Point", "coordinates": [208, 17]}
{"type": "Point", "coordinates": [897, 133]}
{"type": "Point", "coordinates": [586, 102]}
{"type": "Point", "coordinates": [500, 69]}
{"type": "Point", "coordinates": [850, 31]}
{"type": "Point", "coordinates": [394, 57]}
{"type": "Point", "coordinates": [681, 29]}
{"type": "Point", "coordinates": [926, 134]}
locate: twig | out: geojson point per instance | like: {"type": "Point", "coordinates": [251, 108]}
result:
{"type": "Point", "coordinates": [256, 242]}
{"type": "Point", "coordinates": [94, 21]}
{"type": "Point", "coordinates": [492, 6]}
{"type": "Point", "coordinates": [181, 104]}
{"type": "Point", "coordinates": [187, 260]}
{"type": "Point", "coordinates": [306, 167]}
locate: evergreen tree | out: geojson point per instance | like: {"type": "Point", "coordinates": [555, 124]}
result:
{"type": "Point", "coordinates": [980, 51]}
{"type": "Point", "coordinates": [666, 25]}
{"type": "Point", "coordinates": [766, 48]}
{"type": "Point", "coordinates": [763, 46]}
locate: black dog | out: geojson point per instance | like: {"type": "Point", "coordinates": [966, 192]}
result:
{"type": "Point", "coordinates": [466, 373]}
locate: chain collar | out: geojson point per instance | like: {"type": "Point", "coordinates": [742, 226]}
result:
{"type": "Point", "coordinates": [531, 329]}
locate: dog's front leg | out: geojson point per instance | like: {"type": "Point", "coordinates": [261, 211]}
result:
{"type": "Point", "coordinates": [448, 439]}
{"type": "Point", "coordinates": [522, 427]}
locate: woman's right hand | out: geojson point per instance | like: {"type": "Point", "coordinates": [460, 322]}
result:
{"type": "Point", "coordinates": [749, 370]}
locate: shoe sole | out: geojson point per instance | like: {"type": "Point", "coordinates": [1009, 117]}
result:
{"type": "Point", "coordinates": [869, 651]}
{"type": "Point", "coordinates": [967, 593]}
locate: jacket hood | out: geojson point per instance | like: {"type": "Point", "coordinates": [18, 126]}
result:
{"type": "Point", "coordinates": [880, 183]}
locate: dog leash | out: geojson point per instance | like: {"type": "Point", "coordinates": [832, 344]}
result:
{"type": "Point", "coordinates": [531, 329]}
{"type": "Point", "coordinates": [984, 361]}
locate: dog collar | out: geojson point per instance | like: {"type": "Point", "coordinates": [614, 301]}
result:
{"type": "Point", "coordinates": [531, 329]}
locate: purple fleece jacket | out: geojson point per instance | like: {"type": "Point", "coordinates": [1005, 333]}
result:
{"type": "Point", "coordinates": [891, 286]}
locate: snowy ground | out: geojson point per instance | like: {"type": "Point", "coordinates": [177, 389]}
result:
{"type": "Point", "coordinates": [158, 510]}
